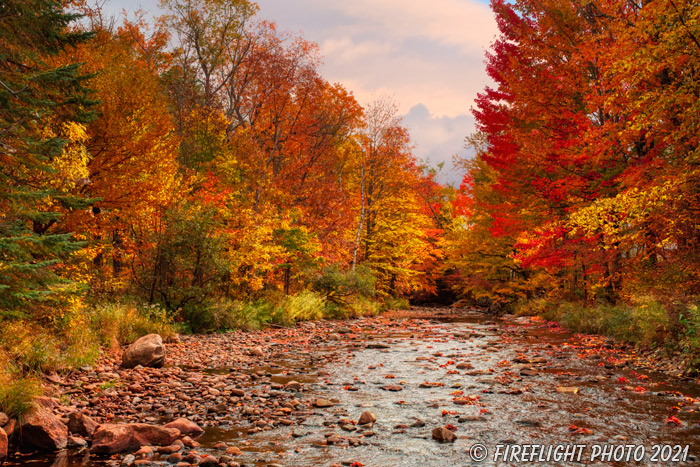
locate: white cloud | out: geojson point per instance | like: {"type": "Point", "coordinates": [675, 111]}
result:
{"type": "Point", "coordinates": [460, 23]}
{"type": "Point", "coordinates": [438, 139]}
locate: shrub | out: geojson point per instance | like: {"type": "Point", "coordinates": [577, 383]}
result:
{"type": "Point", "coordinates": [303, 306]}
{"type": "Point", "coordinates": [117, 323]}
{"type": "Point", "coordinates": [643, 322]}
{"type": "Point", "coordinates": [391, 303]}
{"type": "Point", "coordinates": [543, 307]}
{"type": "Point", "coordinates": [689, 342]}
{"type": "Point", "coordinates": [228, 314]}
{"type": "Point", "coordinates": [30, 346]}
{"type": "Point", "coordinates": [364, 306]}
{"type": "Point", "coordinates": [338, 286]}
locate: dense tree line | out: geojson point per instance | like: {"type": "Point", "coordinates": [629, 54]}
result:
{"type": "Point", "coordinates": [192, 160]}
{"type": "Point", "coordinates": [585, 184]}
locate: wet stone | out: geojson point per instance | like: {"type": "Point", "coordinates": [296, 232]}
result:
{"type": "Point", "coordinates": [443, 435]}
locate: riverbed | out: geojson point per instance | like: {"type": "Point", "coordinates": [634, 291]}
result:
{"type": "Point", "coordinates": [498, 384]}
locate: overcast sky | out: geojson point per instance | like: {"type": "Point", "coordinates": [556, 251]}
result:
{"type": "Point", "coordinates": [425, 55]}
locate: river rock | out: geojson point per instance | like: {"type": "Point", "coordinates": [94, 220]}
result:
{"type": "Point", "coordinates": [80, 424]}
{"type": "Point", "coordinates": [322, 403]}
{"type": "Point", "coordinates": [367, 418]}
{"type": "Point", "coordinates": [174, 458]}
{"type": "Point", "coordinates": [392, 387]}
{"type": "Point", "coordinates": [209, 461]}
{"type": "Point", "coordinates": [257, 352]}
{"type": "Point", "coordinates": [234, 451]}
{"type": "Point", "coordinates": [189, 442]}
{"type": "Point", "coordinates": [3, 419]}
{"type": "Point", "coordinates": [10, 427]}
{"type": "Point", "coordinates": [76, 442]}
{"type": "Point", "coordinates": [186, 427]}
{"type": "Point", "coordinates": [3, 445]}
{"type": "Point", "coordinates": [147, 351]}
{"type": "Point", "coordinates": [443, 435]}
{"type": "Point", "coordinates": [113, 438]}
{"type": "Point", "coordinates": [567, 389]}
{"type": "Point", "coordinates": [293, 385]}
{"type": "Point", "coordinates": [41, 429]}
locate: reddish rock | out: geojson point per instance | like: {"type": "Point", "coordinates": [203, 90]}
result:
{"type": "Point", "coordinates": [367, 418]}
{"type": "Point", "coordinates": [392, 387]}
{"type": "Point", "coordinates": [234, 451]}
{"type": "Point", "coordinates": [3, 445]}
{"type": "Point", "coordinates": [185, 426]}
{"type": "Point", "coordinates": [47, 402]}
{"type": "Point", "coordinates": [80, 424]}
{"type": "Point", "coordinates": [190, 443]}
{"type": "Point", "coordinates": [148, 351]}
{"type": "Point", "coordinates": [209, 461]}
{"type": "Point", "coordinates": [42, 430]}
{"type": "Point", "coordinates": [443, 435]}
{"type": "Point", "coordinates": [110, 438]}
{"type": "Point", "coordinates": [10, 427]}
{"type": "Point", "coordinates": [293, 385]}
{"type": "Point", "coordinates": [174, 458]}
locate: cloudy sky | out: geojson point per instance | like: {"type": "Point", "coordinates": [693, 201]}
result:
{"type": "Point", "coordinates": [425, 55]}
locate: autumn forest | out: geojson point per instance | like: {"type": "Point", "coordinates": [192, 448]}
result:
{"type": "Point", "coordinates": [196, 173]}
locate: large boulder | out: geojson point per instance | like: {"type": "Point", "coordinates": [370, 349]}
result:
{"type": "Point", "coordinates": [80, 424]}
{"type": "Point", "coordinates": [41, 429]}
{"type": "Point", "coordinates": [3, 445]}
{"type": "Point", "coordinates": [147, 351]}
{"type": "Point", "coordinates": [113, 438]}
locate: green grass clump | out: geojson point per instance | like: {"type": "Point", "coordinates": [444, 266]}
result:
{"type": "Point", "coordinates": [17, 392]}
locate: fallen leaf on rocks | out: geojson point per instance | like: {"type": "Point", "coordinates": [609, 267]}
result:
{"type": "Point", "coordinates": [672, 420]}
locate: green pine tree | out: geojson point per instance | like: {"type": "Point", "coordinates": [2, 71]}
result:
{"type": "Point", "coordinates": [34, 97]}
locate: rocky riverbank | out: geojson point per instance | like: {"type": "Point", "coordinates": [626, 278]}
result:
{"type": "Point", "coordinates": [244, 381]}
{"type": "Point", "coordinates": [327, 393]}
